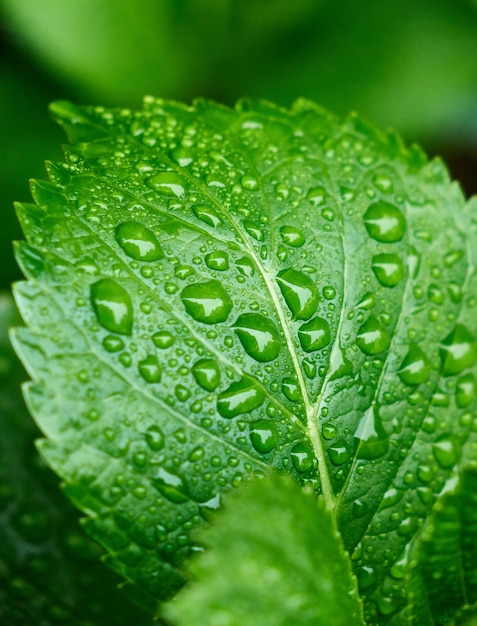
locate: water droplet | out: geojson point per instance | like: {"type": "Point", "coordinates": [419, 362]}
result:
{"type": "Point", "coordinates": [384, 183]}
{"type": "Point", "coordinates": [415, 367]}
{"type": "Point", "coordinates": [309, 367]}
{"type": "Point", "coordinates": [452, 257]}
{"type": "Point", "coordinates": [183, 271]}
{"type": "Point", "coordinates": [316, 195]}
{"type": "Point", "coordinates": [182, 393]}
{"type": "Point", "coordinates": [457, 351]}
{"type": "Point", "coordinates": [263, 435]}
{"type": "Point", "coordinates": [435, 294]}
{"type": "Point", "coordinates": [182, 157]}
{"type": "Point", "coordinates": [206, 214]}
{"type": "Point", "coordinates": [385, 222]}
{"type": "Point", "coordinates": [245, 266]}
{"type": "Point", "coordinates": [171, 486]}
{"type": "Point", "coordinates": [372, 440]}
{"type": "Point", "coordinates": [197, 454]}
{"type": "Point", "coordinates": [291, 389]}
{"type": "Point", "coordinates": [138, 242]}
{"type": "Point", "coordinates": [253, 230]}
{"type": "Point", "coordinates": [241, 397]}
{"type": "Point", "coordinates": [388, 269]}
{"type": "Point", "coordinates": [282, 253]}
{"type": "Point", "coordinates": [314, 335]}
{"type": "Point", "coordinates": [112, 305]}
{"type": "Point", "coordinates": [339, 452]}
{"type": "Point", "coordinates": [113, 344]}
{"type": "Point", "coordinates": [466, 390]}
{"type": "Point", "coordinates": [207, 302]}
{"type": "Point", "coordinates": [150, 369]}
{"type": "Point", "coordinates": [372, 337]}
{"type": "Point", "coordinates": [367, 301]}
{"type": "Point", "coordinates": [259, 336]}
{"type": "Point", "coordinates": [163, 339]}
{"type": "Point", "coordinates": [168, 183]}
{"type": "Point", "coordinates": [367, 577]}
{"type": "Point", "coordinates": [329, 292]}
{"type": "Point", "coordinates": [445, 452]}
{"type": "Point", "coordinates": [217, 261]}
{"type": "Point", "coordinates": [359, 508]}
{"type": "Point", "coordinates": [329, 431]}
{"type": "Point", "coordinates": [300, 293]}
{"type": "Point", "coordinates": [249, 182]}
{"type": "Point", "coordinates": [207, 374]}
{"type": "Point", "coordinates": [302, 457]}
{"type": "Point", "coordinates": [292, 236]}
{"type": "Point", "coordinates": [455, 292]}
{"type": "Point", "coordinates": [154, 438]}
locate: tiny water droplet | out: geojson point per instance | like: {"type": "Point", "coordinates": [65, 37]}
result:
{"type": "Point", "coordinates": [388, 269]}
{"type": "Point", "coordinates": [259, 336]}
{"type": "Point", "coordinates": [240, 397]}
{"type": "Point", "coordinates": [371, 439]}
{"type": "Point", "coordinates": [138, 242]}
{"type": "Point", "coordinates": [292, 236]}
{"type": "Point", "coordinates": [372, 337]}
{"type": "Point", "coordinates": [168, 183]}
{"type": "Point", "coordinates": [113, 344]}
{"type": "Point", "coordinates": [163, 339]}
{"type": "Point", "coordinates": [302, 457]}
{"type": "Point", "coordinates": [207, 215]}
{"type": "Point", "coordinates": [207, 302]}
{"type": "Point", "coordinates": [385, 222]}
{"type": "Point", "coordinates": [314, 335]}
{"type": "Point", "coordinates": [150, 369]}
{"type": "Point", "coordinates": [154, 438]}
{"type": "Point", "coordinates": [415, 368]}
{"type": "Point", "coordinates": [457, 351]}
{"type": "Point", "coordinates": [207, 374]}
{"type": "Point", "coordinates": [466, 391]}
{"type": "Point", "coordinates": [291, 389]}
{"type": "Point", "coordinates": [299, 291]}
{"type": "Point", "coordinates": [263, 435]}
{"type": "Point", "coordinates": [112, 305]}
{"type": "Point", "coordinates": [217, 261]}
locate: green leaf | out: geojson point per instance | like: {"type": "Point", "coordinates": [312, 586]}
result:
{"type": "Point", "coordinates": [50, 571]}
{"type": "Point", "coordinates": [273, 558]}
{"type": "Point", "coordinates": [216, 292]}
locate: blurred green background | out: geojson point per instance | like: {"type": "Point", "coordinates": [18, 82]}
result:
{"type": "Point", "coordinates": [409, 64]}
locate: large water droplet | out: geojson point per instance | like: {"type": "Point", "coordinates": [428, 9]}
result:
{"type": "Point", "coordinates": [371, 439]}
{"type": "Point", "coordinates": [388, 269]}
{"type": "Point", "coordinates": [138, 242]}
{"type": "Point", "coordinates": [445, 452]}
{"type": "Point", "coordinates": [263, 435]}
{"type": "Point", "coordinates": [254, 230]}
{"type": "Point", "coordinates": [112, 305]}
{"type": "Point", "coordinates": [292, 236]}
{"type": "Point", "coordinates": [163, 339]}
{"type": "Point", "coordinates": [171, 486]}
{"type": "Point", "coordinates": [457, 351]}
{"type": "Point", "coordinates": [385, 222]}
{"type": "Point", "coordinates": [372, 337]}
{"type": "Point", "coordinates": [259, 336]}
{"type": "Point", "coordinates": [113, 344]}
{"type": "Point", "coordinates": [207, 374]}
{"type": "Point", "coordinates": [217, 261]}
{"type": "Point", "coordinates": [302, 457]}
{"type": "Point", "coordinates": [465, 390]}
{"type": "Point", "coordinates": [415, 367]}
{"type": "Point", "coordinates": [207, 302]}
{"type": "Point", "coordinates": [150, 369]}
{"type": "Point", "coordinates": [316, 195]}
{"type": "Point", "coordinates": [300, 293]}
{"type": "Point", "coordinates": [339, 452]}
{"type": "Point", "coordinates": [314, 335]}
{"type": "Point", "coordinates": [241, 397]}
{"type": "Point", "coordinates": [206, 214]}
{"type": "Point", "coordinates": [291, 389]}
{"type": "Point", "coordinates": [154, 438]}
{"type": "Point", "coordinates": [168, 183]}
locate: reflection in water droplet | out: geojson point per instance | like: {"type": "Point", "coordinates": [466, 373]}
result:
{"type": "Point", "coordinates": [316, 195]}
{"type": "Point", "coordinates": [207, 302]}
{"type": "Point", "coordinates": [241, 397]}
{"type": "Point", "coordinates": [367, 301]}
{"type": "Point", "coordinates": [292, 236]}
{"type": "Point", "coordinates": [466, 390]}
{"type": "Point", "coordinates": [329, 431]}
{"type": "Point", "coordinates": [171, 486]}
{"type": "Point", "coordinates": [388, 269]}
{"type": "Point", "coordinates": [415, 367]}
{"type": "Point", "coordinates": [435, 294]}
{"type": "Point", "coordinates": [150, 369]}
{"type": "Point", "coordinates": [300, 293]}
{"type": "Point", "coordinates": [445, 452]}
{"type": "Point", "coordinates": [314, 335]}
{"type": "Point", "coordinates": [372, 440]}
{"type": "Point", "coordinates": [259, 336]}
{"type": "Point", "coordinates": [302, 457]}
{"type": "Point", "coordinates": [309, 367]}
{"type": "Point", "coordinates": [385, 222]}
{"type": "Point", "coordinates": [245, 266]}
{"type": "Point", "coordinates": [339, 452]}
{"type": "Point", "coordinates": [254, 230]}
{"type": "Point", "coordinates": [207, 215]}
{"type": "Point", "coordinates": [367, 576]}
{"type": "Point", "coordinates": [217, 261]}
{"type": "Point", "coordinates": [113, 344]}
{"type": "Point", "coordinates": [112, 305]}
{"type": "Point", "coordinates": [168, 183]}
{"type": "Point", "coordinates": [458, 351]}
{"type": "Point", "coordinates": [154, 438]}
{"type": "Point", "coordinates": [138, 242]}
{"type": "Point", "coordinates": [163, 339]}
{"type": "Point", "coordinates": [183, 271]}
{"type": "Point", "coordinates": [263, 435]}
{"type": "Point", "coordinates": [329, 292]}
{"type": "Point", "coordinates": [249, 182]}
{"type": "Point", "coordinates": [207, 374]}
{"type": "Point", "coordinates": [291, 389]}
{"type": "Point", "coordinates": [372, 337]}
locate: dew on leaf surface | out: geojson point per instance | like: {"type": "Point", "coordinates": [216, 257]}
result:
{"type": "Point", "coordinates": [314, 335]}
{"type": "Point", "coordinates": [171, 486]}
{"type": "Point", "coordinates": [292, 236]}
{"type": "Point", "coordinates": [302, 457]}
{"type": "Point", "coordinates": [309, 367]}
{"type": "Point", "coordinates": [254, 230]}
{"type": "Point", "coordinates": [388, 269]}
{"type": "Point", "coordinates": [154, 438]}
{"type": "Point", "coordinates": [372, 337]}
{"type": "Point", "coordinates": [112, 305]}
{"type": "Point", "coordinates": [240, 397]}
{"type": "Point", "coordinates": [445, 453]}
{"type": "Point", "coordinates": [207, 302]}
{"type": "Point", "coordinates": [249, 183]}
{"type": "Point", "coordinates": [458, 351]}
{"type": "Point", "coordinates": [245, 266]}
{"type": "Point", "coordinates": [163, 339]}
{"type": "Point", "coordinates": [206, 214]}
{"type": "Point", "coordinates": [150, 369]}
{"type": "Point", "coordinates": [259, 336]}
{"type": "Point", "coordinates": [316, 195]}
{"type": "Point", "coordinates": [415, 367]}
{"type": "Point", "coordinates": [339, 452]}
{"type": "Point", "coordinates": [113, 343]}
{"type": "Point", "coordinates": [291, 389]}
{"type": "Point", "coordinates": [385, 222]}
{"type": "Point", "coordinates": [168, 183]}
{"type": "Point", "coordinates": [263, 435]}
{"type": "Point", "coordinates": [371, 440]}
{"type": "Point", "coordinates": [207, 374]}
{"type": "Point", "coordinates": [299, 291]}
{"type": "Point", "coordinates": [217, 261]}
{"type": "Point", "coordinates": [138, 242]}
{"type": "Point", "coordinates": [465, 392]}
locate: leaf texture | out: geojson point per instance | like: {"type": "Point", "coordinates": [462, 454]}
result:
{"type": "Point", "coordinates": [215, 292]}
